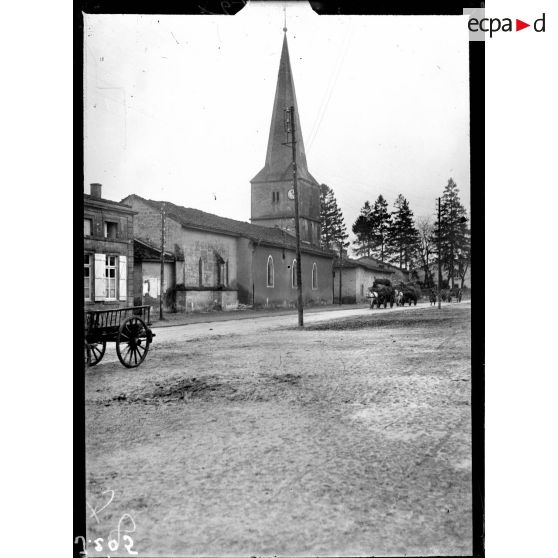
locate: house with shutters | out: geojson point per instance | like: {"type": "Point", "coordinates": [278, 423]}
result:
{"type": "Point", "coordinates": [108, 252]}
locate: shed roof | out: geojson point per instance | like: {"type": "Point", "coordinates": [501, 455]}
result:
{"type": "Point", "coordinates": [349, 263]}
{"type": "Point", "coordinates": [145, 252]}
{"type": "Point", "coordinates": [383, 266]}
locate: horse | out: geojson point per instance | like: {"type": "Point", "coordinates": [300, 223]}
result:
{"type": "Point", "coordinates": [433, 298]}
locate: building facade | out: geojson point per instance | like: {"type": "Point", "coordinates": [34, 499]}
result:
{"type": "Point", "coordinates": [108, 265]}
{"type": "Point", "coordinates": [398, 275]}
{"type": "Point", "coordinates": [220, 262]}
{"type": "Point", "coordinates": [355, 277]}
{"type": "Point", "coordinates": [147, 273]}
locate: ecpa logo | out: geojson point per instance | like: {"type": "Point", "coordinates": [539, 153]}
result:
{"type": "Point", "coordinates": [479, 25]}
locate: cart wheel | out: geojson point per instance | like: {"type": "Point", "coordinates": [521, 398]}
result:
{"type": "Point", "coordinates": [97, 352]}
{"type": "Point", "coordinates": [133, 342]}
{"type": "Point", "coordinates": [87, 355]}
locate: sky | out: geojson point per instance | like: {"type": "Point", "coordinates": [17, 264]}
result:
{"type": "Point", "coordinates": [179, 107]}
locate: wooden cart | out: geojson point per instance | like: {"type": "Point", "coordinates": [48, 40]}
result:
{"type": "Point", "coordinates": [127, 327]}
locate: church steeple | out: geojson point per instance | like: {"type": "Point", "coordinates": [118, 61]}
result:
{"type": "Point", "coordinates": [271, 205]}
{"type": "Point", "coordinates": [278, 161]}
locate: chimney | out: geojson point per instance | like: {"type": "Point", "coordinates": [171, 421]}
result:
{"type": "Point", "coordinates": [96, 190]}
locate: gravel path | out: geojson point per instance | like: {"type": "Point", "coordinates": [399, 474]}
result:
{"type": "Point", "coordinates": [350, 437]}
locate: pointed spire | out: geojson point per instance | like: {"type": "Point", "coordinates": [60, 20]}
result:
{"type": "Point", "coordinates": [278, 161]}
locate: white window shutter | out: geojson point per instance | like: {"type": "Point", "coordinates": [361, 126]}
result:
{"type": "Point", "coordinates": [122, 276]}
{"type": "Point", "coordinates": [100, 280]}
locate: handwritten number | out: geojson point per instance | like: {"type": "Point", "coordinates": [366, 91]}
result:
{"type": "Point", "coordinates": [82, 541]}
{"type": "Point", "coordinates": [128, 546]}
{"type": "Point", "coordinates": [113, 543]}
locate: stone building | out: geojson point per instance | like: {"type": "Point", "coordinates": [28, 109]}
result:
{"type": "Point", "coordinates": [220, 262]}
{"type": "Point", "coordinates": [398, 275]}
{"type": "Point", "coordinates": [147, 272]}
{"type": "Point", "coordinates": [357, 276]}
{"type": "Point", "coordinates": [108, 265]}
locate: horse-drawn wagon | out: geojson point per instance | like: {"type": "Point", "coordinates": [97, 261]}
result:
{"type": "Point", "coordinates": [381, 293]}
{"type": "Point", "coordinates": [127, 327]}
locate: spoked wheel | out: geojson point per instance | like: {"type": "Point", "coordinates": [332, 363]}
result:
{"type": "Point", "coordinates": [87, 355]}
{"type": "Point", "coordinates": [133, 342]}
{"type": "Point", "coordinates": [97, 352]}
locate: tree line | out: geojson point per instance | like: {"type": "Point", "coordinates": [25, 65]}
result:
{"type": "Point", "coordinates": [396, 237]}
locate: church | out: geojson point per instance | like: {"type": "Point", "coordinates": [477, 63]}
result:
{"type": "Point", "coordinates": [216, 262]}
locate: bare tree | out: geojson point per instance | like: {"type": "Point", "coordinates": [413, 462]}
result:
{"type": "Point", "coordinates": [425, 228]}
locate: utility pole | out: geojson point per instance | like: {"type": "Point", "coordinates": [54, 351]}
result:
{"type": "Point", "coordinates": [340, 272]}
{"type": "Point", "coordinates": [439, 254]}
{"type": "Point", "coordinates": [291, 127]}
{"type": "Point", "coordinates": [162, 261]}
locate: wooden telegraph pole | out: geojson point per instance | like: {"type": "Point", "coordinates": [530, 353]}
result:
{"type": "Point", "coordinates": [291, 127]}
{"type": "Point", "coordinates": [162, 261]}
{"type": "Point", "coordinates": [439, 254]}
{"type": "Point", "coordinates": [340, 271]}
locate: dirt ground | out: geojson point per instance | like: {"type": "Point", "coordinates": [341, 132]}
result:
{"type": "Point", "coordinates": [350, 437]}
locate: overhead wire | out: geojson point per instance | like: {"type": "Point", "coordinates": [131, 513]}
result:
{"type": "Point", "coordinates": [329, 91]}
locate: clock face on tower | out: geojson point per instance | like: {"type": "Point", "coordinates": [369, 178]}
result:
{"type": "Point", "coordinates": [290, 194]}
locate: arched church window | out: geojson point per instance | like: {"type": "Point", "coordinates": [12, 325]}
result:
{"type": "Point", "coordinates": [270, 272]}
{"type": "Point", "coordinates": [293, 275]}
{"type": "Point", "coordinates": [314, 276]}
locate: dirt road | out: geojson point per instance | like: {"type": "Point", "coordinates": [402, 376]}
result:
{"type": "Point", "coordinates": [255, 325]}
{"type": "Point", "coordinates": [252, 437]}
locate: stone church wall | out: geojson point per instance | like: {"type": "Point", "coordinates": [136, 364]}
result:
{"type": "Point", "coordinates": [244, 271]}
{"type": "Point", "coordinates": [190, 243]}
{"type": "Point", "coordinates": [206, 245]}
{"type": "Point", "coordinates": [283, 294]}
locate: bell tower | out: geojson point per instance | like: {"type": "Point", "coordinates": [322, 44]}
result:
{"type": "Point", "coordinates": [272, 205]}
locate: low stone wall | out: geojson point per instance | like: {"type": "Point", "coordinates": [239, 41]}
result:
{"type": "Point", "coordinates": [199, 300]}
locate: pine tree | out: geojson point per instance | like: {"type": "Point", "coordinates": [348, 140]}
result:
{"type": "Point", "coordinates": [333, 229]}
{"type": "Point", "coordinates": [372, 229]}
{"type": "Point", "coordinates": [403, 236]}
{"type": "Point", "coordinates": [452, 231]}
{"type": "Point", "coordinates": [362, 228]}
{"type": "Point", "coordinates": [380, 221]}
{"type": "Point", "coordinates": [464, 258]}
